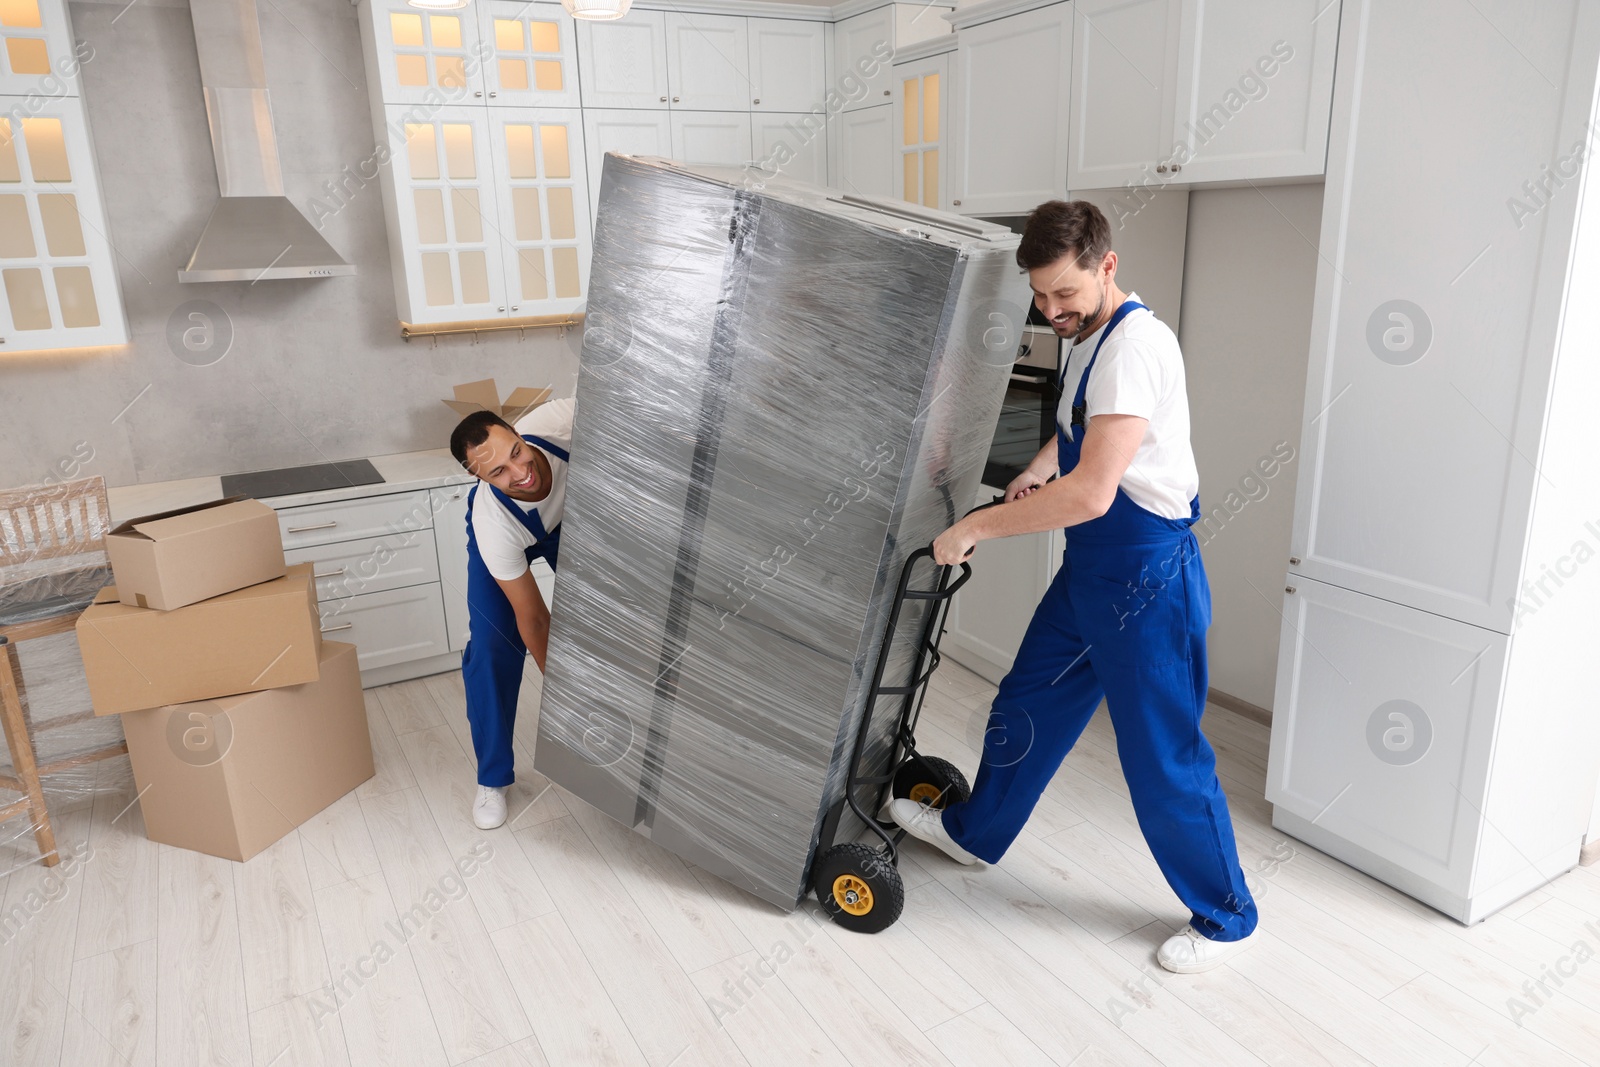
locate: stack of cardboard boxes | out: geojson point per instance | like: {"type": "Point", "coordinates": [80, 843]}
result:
{"type": "Point", "coordinates": [242, 723]}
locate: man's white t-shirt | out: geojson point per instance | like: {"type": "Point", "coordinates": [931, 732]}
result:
{"type": "Point", "coordinates": [503, 541]}
{"type": "Point", "coordinates": [1140, 372]}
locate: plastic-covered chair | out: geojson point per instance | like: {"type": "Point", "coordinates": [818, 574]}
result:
{"type": "Point", "coordinates": [52, 563]}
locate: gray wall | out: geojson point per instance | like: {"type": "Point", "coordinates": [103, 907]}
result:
{"type": "Point", "coordinates": [317, 369]}
{"type": "Point", "coordinates": [1249, 278]}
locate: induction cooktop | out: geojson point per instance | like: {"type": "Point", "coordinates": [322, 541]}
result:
{"type": "Point", "coordinates": [290, 480]}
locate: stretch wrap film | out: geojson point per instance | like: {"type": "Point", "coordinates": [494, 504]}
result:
{"type": "Point", "coordinates": [41, 590]}
{"type": "Point", "coordinates": [784, 391]}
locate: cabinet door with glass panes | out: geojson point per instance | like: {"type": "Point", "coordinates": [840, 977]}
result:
{"type": "Point", "coordinates": [58, 278]}
{"type": "Point", "coordinates": [37, 53]}
{"type": "Point", "coordinates": [446, 214]}
{"type": "Point", "coordinates": [543, 200]}
{"type": "Point", "coordinates": [426, 56]}
{"type": "Point", "coordinates": [919, 130]}
{"type": "Point", "coordinates": [534, 54]}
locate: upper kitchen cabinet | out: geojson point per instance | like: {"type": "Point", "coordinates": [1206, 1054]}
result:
{"type": "Point", "coordinates": [427, 56]}
{"type": "Point", "coordinates": [530, 54]}
{"type": "Point", "coordinates": [708, 62]}
{"type": "Point", "coordinates": [862, 45]}
{"type": "Point", "coordinates": [624, 63]}
{"type": "Point", "coordinates": [863, 154]}
{"type": "Point", "coordinates": [37, 53]}
{"type": "Point", "coordinates": [1200, 91]}
{"type": "Point", "coordinates": [920, 124]}
{"type": "Point", "coordinates": [788, 63]}
{"type": "Point", "coordinates": [58, 278]}
{"type": "Point", "coordinates": [1009, 107]}
{"type": "Point", "coordinates": [542, 199]}
{"type": "Point", "coordinates": [1124, 88]}
{"type": "Point", "coordinates": [1256, 88]}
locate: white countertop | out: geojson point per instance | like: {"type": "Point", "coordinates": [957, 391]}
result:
{"type": "Point", "coordinates": [402, 472]}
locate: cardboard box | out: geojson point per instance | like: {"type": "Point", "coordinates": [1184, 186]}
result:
{"type": "Point", "coordinates": [485, 396]}
{"type": "Point", "coordinates": [262, 637]}
{"type": "Point", "coordinates": [229, 777]}
{"type": "Point", "coordinates": [182, 557]}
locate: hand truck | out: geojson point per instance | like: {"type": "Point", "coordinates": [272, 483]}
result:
{"type": "Point", "coordinates": [858, 884]}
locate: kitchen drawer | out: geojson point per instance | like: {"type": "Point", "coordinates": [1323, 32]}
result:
{"type": "Point", "coordinates": [395, 626]}
{"type": "Point", "coordinates": [348, 520]}
{"type": "Point", "coordinates": [370, 565]}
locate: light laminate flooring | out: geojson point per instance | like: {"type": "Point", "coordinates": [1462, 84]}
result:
{"type": "Point", "coordinates": [389, 931]}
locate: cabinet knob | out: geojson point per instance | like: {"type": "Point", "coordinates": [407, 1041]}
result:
{"type": "Point", "coordinates": [957, 203]}
{"type": "Point", "coordinates": [886, 92]}
{"type": "Point", "coordinates": [1176, 167]}
{"type": "Point", "coordinates": [500, 309]}
{"type": "Point", "coordinates": [1288, 589]}
{"type": "Point", "coordinates": [674, 100]}
{"type": "Point", "coordinates": [663, 100]}
{"type": "Point", "coordinates": [758, 100]}
{"type": "Point", "coordinates": [515, 306]}
{"type": "Point", "coordinates": [478, 92]}
{"type": "Point", "coordinates": [1294, 561]}
{"type": "Point", "coordinates": [493, 93]}
{"type": "Point", "coordinates": [1161, 168]}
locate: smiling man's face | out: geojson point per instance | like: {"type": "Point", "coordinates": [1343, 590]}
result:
{"type": "Point", "coordinates": [1072, 296]}
{"type": "Point", "coordinates": [511, 465]}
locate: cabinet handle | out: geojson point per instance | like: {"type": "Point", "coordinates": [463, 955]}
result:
{"type": "Point", "coordinates": [308, 529]}
{"type": "Point", "coordinates": [1161, 168]}
{"type": "Point", "coordinates": [758, 100]}
{"type": "Point", "coordinates": [956, 203]}
{"type": "Point", "coordinates": [329, 574]}
{"type": "Point", "coordinates": [663, 100]}
{"type": "Point", "coordinates": [1294, 561]}
{"type": "Point", "coordinates": [886, 92]}
{"type": "Point", "coordinates": [493, 92]}
{"type": "Point", "coordinates": [1288, 589]}
{"type": "Point", "coordinates": [478, 92]}
{"type": "Point", "coordinates": [515, 306]}
{"type": "Point", "coordinates": [500, 309]}
{"type": "Point", "coordinates": [674, 100]}
{"type": "Point", "coordinates": [336, 629]}
{"type": "Point", "coordinates": [1176, 167]}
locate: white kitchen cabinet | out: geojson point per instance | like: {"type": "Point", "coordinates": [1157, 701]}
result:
{"type": "Point", "coordinates": [787, 64]}
{"type": "Point", "coordinates": [541, 181]}
{"type": "Point", "coordinates": [708, 62]}
{"type": "Point", "coordinates": [372, 565]}
{"type": "Point", "coordinates": [445, 214]}
{"type": "Point", "coordinates": [37, 51]}
{"type": "Point", "coordinates": [450, 540]}
{"type": "Point", "coordinates": [623, 64]}
{"type": "Point", "coordinates": [1200, 91]}
{"type": "Point", "coordinates": [1256, 88]}
{"type": "Point", "coordinates": [390, 628]}
{"type": "Point", "coordinates": [794, 146]}
{"type": "Point", "coordinates": [58, 276]}
{"type": "Point", "coordinates": [864, 43]}
{"type": "Point", "coordinates": [1444, 515]}
{"type": "Point", "coordinates": [1124, 88]}
{"type": "Point", "coordinates": [634, 133]}
{"type": "Point", "coordinates": [712, 137]}
{"type": "Point", "coordinates": [424, 57]}
{"type": "Point", "coordinates": [921, 122]}
{"type": "Point", "coordinates": [991, 612]}
{"type": "Point", "coordinates": [531, 54]}
{"type": "Point", "coordinates": [1009, 110]}
{"type": "Point", "coordinates": [864, 158]}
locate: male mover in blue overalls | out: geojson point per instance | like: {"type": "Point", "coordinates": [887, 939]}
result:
{"type": "Point", "coordinates": [513, 518]}
{"type": "Point", "coordinates": [1125, 617]}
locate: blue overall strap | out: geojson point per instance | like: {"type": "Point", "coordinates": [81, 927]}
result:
{"type": "Point", "coordinates": [1078, 401]}
{"type": "Point", "coordinates": [554, 449]}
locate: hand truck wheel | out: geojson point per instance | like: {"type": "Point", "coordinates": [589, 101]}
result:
{"type": "Point", "coordinates": [932, 781]}
{"type": "Point", "coordinates": [859, 887]}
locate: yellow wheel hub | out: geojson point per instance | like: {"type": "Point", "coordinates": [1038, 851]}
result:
{"type": "Point", "coordinates": [925, 793]}
{"type": "Point", "coordinates": [852, 894]}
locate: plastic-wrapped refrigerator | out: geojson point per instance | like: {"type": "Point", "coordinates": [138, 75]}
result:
{"type": "Point", "coordinates": [783, 392]}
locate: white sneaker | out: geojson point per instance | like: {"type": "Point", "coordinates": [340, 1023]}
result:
{"type": "Point", "coordinates": [1189, 951]}
{"type": "Point", "coordinates": [489, 810]}
{"type": "Point", "coordinates": [927, 824]}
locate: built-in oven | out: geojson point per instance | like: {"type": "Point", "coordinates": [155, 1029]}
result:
{"type": "Point", "coordinates": [1028, 416]}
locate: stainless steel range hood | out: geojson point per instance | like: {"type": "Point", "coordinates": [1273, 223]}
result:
{"type": "Point", "coordinates": [254, 233]}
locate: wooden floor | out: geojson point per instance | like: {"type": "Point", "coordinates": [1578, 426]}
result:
{"type": "Point", "coordinates": [356, 940]}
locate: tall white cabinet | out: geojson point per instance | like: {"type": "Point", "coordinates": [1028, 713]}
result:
{"type": "Point", "coordinates": [58, 276]}
{"type": "Point", "coordinates": [1434, 722]}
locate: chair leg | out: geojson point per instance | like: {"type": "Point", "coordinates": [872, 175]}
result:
{"type": "Point", "coordinates": [20, 743]}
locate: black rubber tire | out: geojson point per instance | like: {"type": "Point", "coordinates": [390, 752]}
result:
{"type": "Point", "coordinates": [914, 781]}
{"type": "Point", "coordinates": [856, 876]}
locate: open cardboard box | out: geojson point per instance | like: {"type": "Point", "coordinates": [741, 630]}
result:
{"type": "Point", "coordinates": [182, 557]}
{"type": "Point", "coordinates": [261, 637]}
{"type": "Point", "coordinates": [485, 396]}
{"type": "Point", "coordinates": [229, 777]}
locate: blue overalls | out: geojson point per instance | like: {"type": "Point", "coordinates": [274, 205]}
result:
{"type": "Point", "coordinates": [491, 666]}
{"type": "Point", "coordinates": [1124, 619]}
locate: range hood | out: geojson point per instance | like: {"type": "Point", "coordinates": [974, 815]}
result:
{"type": "Point", "coordinates": [255, 233]}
